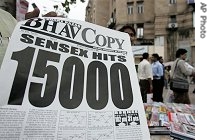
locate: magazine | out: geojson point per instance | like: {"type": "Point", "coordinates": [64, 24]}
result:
{"type": "Point", "coordinates": [190, 129]}
{"type": "Point", "coordinates": [161, 116]}
{"type": "Point", "coordinates": [190, 119]}
{"type": "Point", "coordinates": [182, 119]}
{"type": "Point", "coordinates": [179, 131]}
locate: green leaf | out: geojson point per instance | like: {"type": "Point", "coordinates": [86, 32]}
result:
{"type": "Point", "coordinates": [63, 4]}
{"type": "Point", "coordinates": [67, 9]}
{"type": "Point", "coordinates": [67, 3]}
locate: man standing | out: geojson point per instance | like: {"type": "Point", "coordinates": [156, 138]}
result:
{"type": "Point", "coordinates": [162, 77]}
{"type": "Point", "coordinates": [181, 71]}
{"type": "Point", "coordinates": [145, 76]}
{"type": "Point", "coordinates": [157, 72]}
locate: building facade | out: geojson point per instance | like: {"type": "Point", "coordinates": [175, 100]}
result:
{"type": "Point", "coordinates": [162, 26]}
{"type": "Point", "coordinates": [98, 14]}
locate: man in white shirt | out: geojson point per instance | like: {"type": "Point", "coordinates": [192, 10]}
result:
{"type": "Point", "coordinates": [145, 76]}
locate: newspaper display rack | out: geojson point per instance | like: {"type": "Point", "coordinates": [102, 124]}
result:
{"type": "Point", "coordinates": [176, 120]}
{"type": "Point", "coordinates": [69, 79]}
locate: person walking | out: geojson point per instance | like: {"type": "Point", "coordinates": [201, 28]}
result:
{"type": "Point", "coordinates": [179, 70]}
{"type": "Point", "coordinates": [145, 76]}
{"type": "Point", "coordinates": [157, 71]}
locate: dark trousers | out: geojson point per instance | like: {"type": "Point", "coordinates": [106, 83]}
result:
{"type": "Point", "coordinates": [182, 98]}
{"type": "Point", "coordinates": [144, 87]}
{"type": "Point", "coordinates": [157, 90]}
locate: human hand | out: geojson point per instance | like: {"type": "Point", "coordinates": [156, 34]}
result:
{"type": "Point", "coordinates": [32, 14]}
{"type": "Point", "coordinates": [50, 14]}
{"type": "Point", "coordinates": [36, 12]}
{"type": "Point", "coordinates": [151, 89]}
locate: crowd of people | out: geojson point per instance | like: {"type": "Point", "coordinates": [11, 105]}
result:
{"type": "Point", "coordinates": [153, 76]}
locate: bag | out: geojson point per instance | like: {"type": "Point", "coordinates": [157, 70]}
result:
{"type": "Point", "coordinates": [169, 97]}
{"type": "Point", "coordinates": [179, 85]}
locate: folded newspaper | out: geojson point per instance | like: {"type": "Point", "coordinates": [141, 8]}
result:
{"type": "Point", "coordinates": [69, 79]}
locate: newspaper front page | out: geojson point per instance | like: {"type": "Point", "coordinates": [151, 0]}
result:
{"type": "Point", "coordinates": [68, 79]}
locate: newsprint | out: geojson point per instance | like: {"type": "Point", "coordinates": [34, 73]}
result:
{"type": "Point", "coordinates": [65, 79]}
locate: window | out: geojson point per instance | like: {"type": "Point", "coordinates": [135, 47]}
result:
{"type": "Point", "coordinates": [140, 7]}
{"type": "Point", "coordinates": [130, 8]}
{"type": "Point", "coordinates": [140, 30]}
{"type": "Point", "coordinates": [172, 1]}
{"type": "Point", "coordinates": [173, 19]}
{"type": "Point", "coordinates": [159, 41]}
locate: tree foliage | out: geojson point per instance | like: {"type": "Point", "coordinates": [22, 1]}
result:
{"type": "Point", "coordinates": [67, 3]}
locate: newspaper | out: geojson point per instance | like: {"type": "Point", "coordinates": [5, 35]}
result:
{"type": "Point", "coordinates": [69, 79]}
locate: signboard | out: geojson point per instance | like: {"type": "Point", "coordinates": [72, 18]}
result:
{"type": "Point", "coordinates": [139, 50]}
{"type": "Point", "coordinates": [69, 79]}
